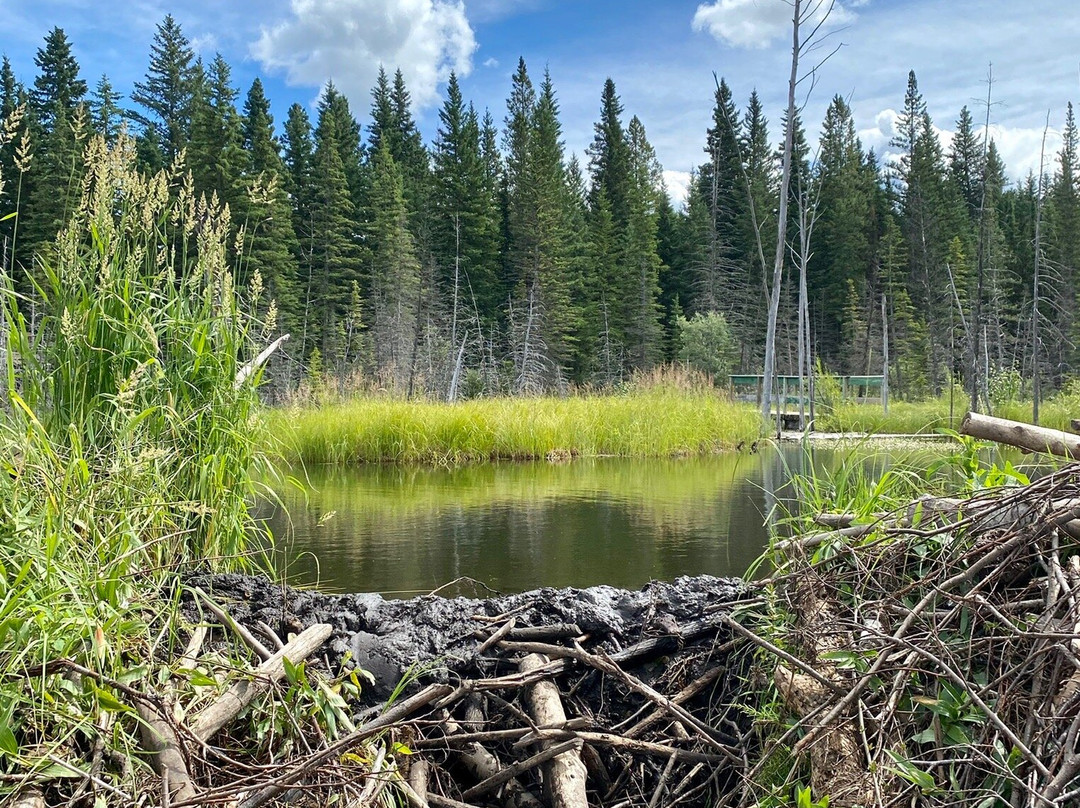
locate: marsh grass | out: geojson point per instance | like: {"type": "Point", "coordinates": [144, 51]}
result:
{"type": "Point", "coordinates": [642, 422]}
{"type": "Point", "coordinates": [931, 415]}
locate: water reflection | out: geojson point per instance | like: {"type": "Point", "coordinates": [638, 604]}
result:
{"type": "Point", "coordinates": [515, 526]}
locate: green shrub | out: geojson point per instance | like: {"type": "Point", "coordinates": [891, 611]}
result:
{"type": "Point", "coordinates": [706, 344]}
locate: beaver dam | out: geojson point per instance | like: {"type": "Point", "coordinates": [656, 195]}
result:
{"type": "Point", "coordinates": [931, 656]}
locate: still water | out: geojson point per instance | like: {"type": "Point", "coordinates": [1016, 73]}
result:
{"type": "Point", "coordinates": [406, 530]}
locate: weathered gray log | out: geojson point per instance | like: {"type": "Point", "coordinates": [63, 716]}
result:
{"type": "Point", "coordinates": [416, 791]}
{"type": "Point", "coordinates": [260, 360]}
{"type": "Point", "coordinates": [166, 757]}
{"type": "Point", "coordinates": [483, 765]}
{"type": "Point", "coordinates": [565, 774]}
{"type": "Point", "coordinates": [835, 520]}
{"type": "Point", "coordinates": [1023, 436]}
{"type": "Point", "coordinates": [241, 694]}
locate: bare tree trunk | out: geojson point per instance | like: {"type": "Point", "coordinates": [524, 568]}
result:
{"type": "Point", "coordinates": [885, 357]}
{"type": "Point", "coordinates": [457, 278]}
{"type": "Point", "coordinates": [1035, 387]}
{"type": "Point", "coordinates": [781, 235]}
{"type": "Point", "coordinates": [980, 262]}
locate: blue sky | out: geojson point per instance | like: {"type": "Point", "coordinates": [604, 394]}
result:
{"type": "Point", "coordinates": [661, 54]}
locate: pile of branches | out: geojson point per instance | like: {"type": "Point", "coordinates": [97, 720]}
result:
{"type": "Point", "coordinates": [932, 656]}
{"type": "Point", "coordinates": [640, 702]}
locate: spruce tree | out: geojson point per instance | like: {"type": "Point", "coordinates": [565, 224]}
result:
{"type": "Point", "coordinates": [928, 225]}
{"type": "Point", "coordinates": [965, 163]}
{"type": "Point", "coordinates": [299, 149]}
{"type": "Point", "coordinates": [336, 120]}
{"type": "Point", "coordinates": [166, 94]}
{"type": "Point", "coordinates": [841, 247]}
{"type": "Point", "coordinates": [642, 310]}
{"type": "Point", "coordinates": [517, 143]}
{"type": "Point", "coordinates": [609, 157]}
{"type": "Point", "coordinates": [11, 96]}
{"type": "Point", "coordinates": [215, 154]}
{"type": "Point", "coordinates": [58, 90]}
{"type": "Point", "coordinates": [265, 211]}
{"type": "Point", "coordinates": [1063, 249]}
{"type": "Point", "coordinates": [407, 149]}
{"type": "Point", "coordinates": [548, 285]}
{"type": "Point", "coordinates": [59, 126]}
{"type": "Point", "coordinates": [717, 202]}
{"type": "Point", "coordinates": [395, 274]}
{"type": "Point", "coordinates": [465, 222]}
{"type": "Point", "coordinates": [335, 260]}
{"type": "Point", "coordinates": [106, 116]}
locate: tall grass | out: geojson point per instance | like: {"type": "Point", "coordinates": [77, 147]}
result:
{"type": "Point", "coordinates": [903, 418]}
{"type": "Point", "coordinates": [654, 422]}
{"type": "Point", "coordinates": [923, 417]}
{"type": "Point", "coordinates": [125, 447]}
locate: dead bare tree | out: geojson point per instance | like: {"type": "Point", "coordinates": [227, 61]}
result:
{"type": "Point", "coordinates": [1035, 391]}
{"type": "Point", "coordinates": [817, 13]}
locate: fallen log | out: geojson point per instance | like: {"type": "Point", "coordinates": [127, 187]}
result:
{"type": "Point", "coordinates": [166, 755]}
{"type": "Point", "coordinates": [241, 694]}
{"type": "Point", "coordinates": [1023, 436]}
{"type": "Point", "coordinates": [565, 774]}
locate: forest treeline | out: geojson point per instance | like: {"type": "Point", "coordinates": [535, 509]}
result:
{"type": "Point", "coordinates": [492, 261]}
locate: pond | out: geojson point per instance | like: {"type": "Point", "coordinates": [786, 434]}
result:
{"type": "Point", "coordinates": [406, 530]}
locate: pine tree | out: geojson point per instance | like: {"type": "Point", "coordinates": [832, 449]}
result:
{"type": "Point", "coordinates": [395, 274]}
{"type": "Point", "coordinates": [265, 212]}
{"type": "Point", "coordinates": [106, 116]}
{"type": "Point", "coordinates": [166, 94]}
{"type": "Point", "coordinates": [641, 318]}
{"type": "Point", "coordinates": [58, 90]}
{"type": "Point", "coordinates": [215, 153]}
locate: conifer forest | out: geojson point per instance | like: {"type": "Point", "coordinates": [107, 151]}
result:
{"type": "Point", "coordinates": [483, 258]}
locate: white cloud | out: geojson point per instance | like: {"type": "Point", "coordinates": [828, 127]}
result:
{"type": "Point", "coordinates": [756, 23]}
{"type": "Point", "coordinates": [678, 186]}
{"type": "Point", "coordinates": [1019, 146]}
{"type": "Point", "coordinates": [491, 61]}
{"type": "Point", "coordinates": [204, 43]}
{"type": "Point", "coordinates": [347, 40]}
